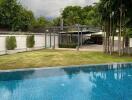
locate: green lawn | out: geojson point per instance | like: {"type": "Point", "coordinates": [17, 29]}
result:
{"type": "Point", "coordinates": [51, 58]}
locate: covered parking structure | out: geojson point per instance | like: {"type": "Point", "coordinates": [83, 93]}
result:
{"type": "Point", "coordinates": [78, 36]}
{"type": "Point", "coordinates": [72, 39]}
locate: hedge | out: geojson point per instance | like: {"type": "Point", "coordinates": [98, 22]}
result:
{"type": "Point", "coordinates": [30, 42]}
{"type": "Point", "coordinates": [67, 45]}
{"type": "Point", "coordinates": [11, 42]}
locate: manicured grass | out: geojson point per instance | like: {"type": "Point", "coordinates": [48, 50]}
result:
{"type": "Point", "coordinates": [51, 58]}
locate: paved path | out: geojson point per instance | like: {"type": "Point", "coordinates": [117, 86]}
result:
{"type": "Point", "coordinates": [95, 48]}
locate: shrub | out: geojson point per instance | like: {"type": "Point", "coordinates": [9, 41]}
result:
{"type": "Point", "coordinates": [30, 41]}
{"type": "Point", "coordinates": [72, 45]}
{"type": "Point", "coordinates": [129, 32]}
{"type": "Point", "coordinates": [11, 43]}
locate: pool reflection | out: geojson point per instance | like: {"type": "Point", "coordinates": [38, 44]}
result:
{"type": "Point", "coordinates": [76, 83]}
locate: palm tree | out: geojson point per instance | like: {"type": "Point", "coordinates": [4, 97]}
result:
{"type": "Point", "coordinates": [112, 16]}
{"type": "Point", "coordinates": [106, 13]}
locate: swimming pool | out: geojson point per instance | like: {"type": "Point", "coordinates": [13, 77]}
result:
{"type": "Point", "coordinates": [92, 82]}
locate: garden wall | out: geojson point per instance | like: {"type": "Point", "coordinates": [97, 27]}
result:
{"type": "Point", "coordinates": [40, 42]}
{"type": "Point", "coordinates": [130, 42]}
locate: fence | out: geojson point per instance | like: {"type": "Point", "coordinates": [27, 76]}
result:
{"type": "Point", "coordinates": [43, 40]}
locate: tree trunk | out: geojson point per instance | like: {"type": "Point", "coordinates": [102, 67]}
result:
{"type": "Point", "coordinates": [110, 38]}
{"type": "Point", "coordinates": [113, 38]}
{"type": "Point", "coordinates": [124, 34]}
{"type": "Point", "coordinates": [107, 38]}
{"type": "Point", "coordinates": [123, 46]}
{"type": "Point", "coordinates": [104, 39]}
{"type": "Point", "coordinates": [113, 34]}
{"type": "Point", "coordinates": [120, 32]}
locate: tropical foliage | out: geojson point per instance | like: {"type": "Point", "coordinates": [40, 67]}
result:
{"type": "Point", "coordinates": [116, 19]}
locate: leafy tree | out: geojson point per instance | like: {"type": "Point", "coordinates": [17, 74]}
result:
{"type": "Point", "coordinates": [72, 15]}
{"type": "Point", "coordinates": [14, 16]}
{"type": "Point", "coordinates": [56, 21]}
{"type": "Point", "coordinates": [41, 22]}
{"type": "Point", "coordinates": [77, 15]}
{"type": "Point", "coordinates": [90, 16]}
{"type": "Point", "coordinates": [23, 21]}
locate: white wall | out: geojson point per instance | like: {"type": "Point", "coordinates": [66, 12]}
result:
{"type": "Point", "coordinates": [130, 42]}
{"type": "Point", "coordinates": [56, 41]}
{"type": "Point", "coordinates": [21, 42]}
{"type": "Point", "coordinates": [39, 41]}
{"type": "Point", "coordinates": [48, 41]}
{"type": "Point", "coordinates": [116, 38]}
{"type": "Point", "coordinates": [2, 45]}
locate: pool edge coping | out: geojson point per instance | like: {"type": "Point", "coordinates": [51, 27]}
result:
{"type": "Point", "coordinates": [58, 67]}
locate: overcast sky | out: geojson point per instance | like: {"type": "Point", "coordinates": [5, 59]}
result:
{"type": "Point", "coordinates": [52, 8]}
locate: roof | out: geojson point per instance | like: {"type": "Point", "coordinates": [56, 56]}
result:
{"type": "Point", "coordinates": [76, 32]}
{"type": "Point", "coordinates": [98, 33]}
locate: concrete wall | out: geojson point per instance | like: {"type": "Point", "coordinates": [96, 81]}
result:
{"type": "Point", "coordinates": [130, 42]}
{"type": "Point", "coordinates": [2, 45]}
{"type": "Point", "coordinates": [21, 43]}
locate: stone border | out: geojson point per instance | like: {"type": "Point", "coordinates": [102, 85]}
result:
{"type": "Point", "coordinates": [58, 67]}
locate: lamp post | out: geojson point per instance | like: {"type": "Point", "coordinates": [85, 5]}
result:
{"type": "Point", "coordinates": [78, 28]}
{"type": "Point", "coordinates": [46, 38]}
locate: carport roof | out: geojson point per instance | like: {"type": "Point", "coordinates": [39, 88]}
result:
{"type": "Point", "coordinates": [76, 32]}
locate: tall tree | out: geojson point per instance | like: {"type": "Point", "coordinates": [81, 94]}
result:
{"type": "Point", "coordinates": [90, 16]}
{"type": "Point", "coordinates": [72, 15]}
{"type": "Point", "coordinates": [14, 16]}
{"type": "Point", "coordinates": [81, 15]}
{"type": "Point", "coordinates": [120, 20]}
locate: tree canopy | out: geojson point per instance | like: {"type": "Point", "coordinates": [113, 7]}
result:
{"type": "Point", "coordinates": [116, 15]}
{"type": "Point", "coordinates": [14, 16]}
{"type": "Point", "coordinates": [81, 15]}
{"type": "Point", "coordinates": [116, 7]}
{"type": "Point", "coordinates": [41, 22]}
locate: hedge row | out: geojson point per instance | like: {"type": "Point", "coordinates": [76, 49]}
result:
{"type": "Point", "coordinates": [72, 45]}
{"type": "Point", "coordinates": [30, 41]}
{"type": "Point", "coordinates": [11, 42]}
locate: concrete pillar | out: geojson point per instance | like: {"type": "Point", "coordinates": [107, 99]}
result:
{"type": "Point", "coordinates": [45, 40]}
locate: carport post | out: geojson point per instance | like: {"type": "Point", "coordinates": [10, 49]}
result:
{"type": "Point", "coordinates": [45, 40]}
{"type": "Point", "coordinates": [50, 39]}
{"type": "Point", "coordinates": [78, 37]}
{"type": "Point", "coordinates": [70, 38]}
{"type": "Point", "coordinates": [81, 37]}
{"type": "Point", "coordinates": [67, 38]}
{"type": "Point", "coordinates": [60, 38]}
{"type": "Point", "coordinates": [54, 39]}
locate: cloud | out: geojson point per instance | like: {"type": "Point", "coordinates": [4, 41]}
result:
{"type": "Point", "coordinates": [52, 8]}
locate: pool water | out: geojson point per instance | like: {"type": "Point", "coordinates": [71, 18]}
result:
{"type": "Point", "coordinates": [94, 82]}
